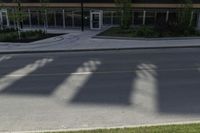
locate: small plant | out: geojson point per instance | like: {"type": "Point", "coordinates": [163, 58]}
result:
{"type": "Point", "coordinates": [43, 10]}
{"type": "Point", "coordinates": [18, 16]}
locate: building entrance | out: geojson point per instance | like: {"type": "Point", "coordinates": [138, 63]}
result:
{"type": "Point", "coordinates": [96, 20]}
{"type": "Point", "coordinates": [4, 22]}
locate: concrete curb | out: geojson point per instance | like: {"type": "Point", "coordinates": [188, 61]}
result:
{"type": "Point", "coordinates": [145, 39]}
{"type": "Point", "coordinates": [93, 49]}
{"type": "Point", "coordinates": [114, 127]}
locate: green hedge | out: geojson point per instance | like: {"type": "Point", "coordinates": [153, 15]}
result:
{"type": "Point", "coordinates": [7, 30]}
{"type": "Point", "coordinates": [150, 32]}
{"type": "Point", "coordinates": [145, 31]}
{"type": "Point", "coordinates": [6, 37]}
{"type": "Point", "coordinates": [10, 35]}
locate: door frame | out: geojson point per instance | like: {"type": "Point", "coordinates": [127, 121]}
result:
{"type": "Point", "coordinates": [1, 17]}
{"type": "Point", "coordinates": [100, 14]}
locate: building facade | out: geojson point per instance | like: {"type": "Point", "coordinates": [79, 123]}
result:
{"type": "Point", "coordinates": [97, 13]}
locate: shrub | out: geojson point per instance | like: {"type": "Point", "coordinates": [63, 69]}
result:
{"type": "Point", "coordinates": [7, 30]}
{"type": "Point", "coordinates": [11, 35]}
{"type": "Point", "coordinates": [182, 24]}
{"type": "Point", "coordinates": [8, 37]}
{"type": "Point", "coordinates": [32, 34]}
{"type": "Point", "coordinates": [145, 31]}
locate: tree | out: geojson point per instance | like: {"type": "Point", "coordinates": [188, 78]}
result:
{"type": "Point", "coordinates": [124, 8]}
{"type": "Point", "coordinates": [43, 10]}
{"type": "Point", "coordinates": [185, 21]}
{"type": "Point", "coordinates": [18, 16]}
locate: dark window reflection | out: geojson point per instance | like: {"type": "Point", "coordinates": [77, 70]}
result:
{"type": "Point", "coordinates": [107, 18]}
{"type": "Point", "coordinates": [138, 18]}
{"type": "Point", "coordinates": [150, 18]}
{"type": "Point", "coordinates": [51, 19]}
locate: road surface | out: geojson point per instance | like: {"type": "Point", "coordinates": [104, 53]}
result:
{"type": "Point", "coordinates": [99, 89]}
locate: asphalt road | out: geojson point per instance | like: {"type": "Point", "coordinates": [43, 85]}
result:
{"type": "Point", "coordinates": [99, 89]}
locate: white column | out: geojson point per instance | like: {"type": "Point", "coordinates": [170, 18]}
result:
{"type": "Point", "coordinates": [144, 17]}
{"type": "Point", "coordinates": [198, 23]}
{"type": "Point", "coordinates": [167, 16]}
{"type": "Point", "coordinates": [112, 17]}
{"type": "Point", "coordinates": [133, 18]}
{"type": "Point", "coordinates": [100, 19]}
{"type": "Point", "coordinates": [29, 15]}
{"type": "Point", "coordinates": [63, 18]}
{"type": "Point", "coordinates": [155, 16]}
{"type": "Point", "coordinates": [191, 19]}
{"type": "Point", "coordinates": [1, 20]}
{"type": "Point", "coordinates": [46, 18]}
{"type": "Point", "coordinates": [72, 19]}
{"type": "Point", "coordinates": [7, 19]}
{"type": "Point", "coordinates": [38, 17]}
{"type": "Point", "coordinates": [55, 24]}
{"type": "Point", "coordinates": [1, 17]}
{"type": "Point", "coordinates": [13, 12]}
{"type": "Point", "coordinates": [91, 19]}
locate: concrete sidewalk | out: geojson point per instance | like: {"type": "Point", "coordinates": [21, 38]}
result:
{"type": "Point", "coordinates": [81, 41]}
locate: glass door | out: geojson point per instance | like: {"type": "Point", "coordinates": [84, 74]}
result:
{"type": "Point", "coordinates": [96, 20]}
{"type": "Point", "coordinates": [4, 18]}
{"type": "Point", "coordinates": [1, 19]}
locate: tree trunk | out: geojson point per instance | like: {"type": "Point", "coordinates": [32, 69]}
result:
{"type": "Point", "coordinates": [18, 31]}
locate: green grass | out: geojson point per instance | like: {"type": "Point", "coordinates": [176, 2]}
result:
{"type": "Point", "coordinates": [189, 128]}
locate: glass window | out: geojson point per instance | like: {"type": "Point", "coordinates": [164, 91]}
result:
{"type": "Point", "coordinates": [51, 18]}
{"type": "Point", "coordinates": [10, 17]}
{"type": "Point", "coordinates": [150, 18]}
{"type": "Point", "coordinates": [41, 18]}
{"type": "Point", "coordinates": [26, 19]}
{"type": "Point", "coordinates": [138, 18]}
{"type": "Point", "coordinates": [116, 18]}
{"type": "Point", "coordinates": [68, 18]}
{"type": "Point", "coordinates": [107, 17]}
{"type": "Point", "coordinates": [195, 19]}
{"type": "Point", "coordinates": [87, 18]}
{"type": "Point", "coordinates": [34, 18]}
{"type": "Point", "coordinates": [59, 18]}
{"type": "Point", "coordinates": [77, 19]}
{"type": "Point", "coordinates": [161, 18]}
{"type": "Point", "coordinates": [172, 18]}
{"type": "Point", "coordinates": [4, 16]}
